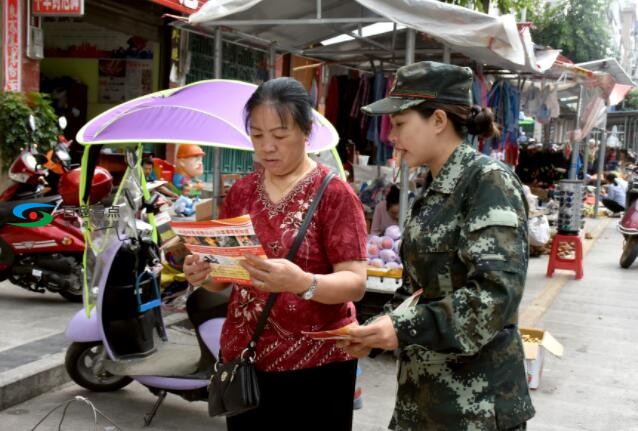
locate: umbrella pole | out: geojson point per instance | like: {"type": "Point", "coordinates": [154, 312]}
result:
{"type": "Point", "coordinates": [217, 153]}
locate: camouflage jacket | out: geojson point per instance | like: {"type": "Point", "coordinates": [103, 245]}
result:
{"type": "Point", "coordinates": [461, 360]}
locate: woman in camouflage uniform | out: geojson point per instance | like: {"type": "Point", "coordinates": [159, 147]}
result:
{"type": "Point", "coordinates": [461, 360]}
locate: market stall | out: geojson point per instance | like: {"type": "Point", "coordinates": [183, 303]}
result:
{"type": "Point", "coordinates": [451, 33]}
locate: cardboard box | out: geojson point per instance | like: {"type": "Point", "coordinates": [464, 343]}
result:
{"type": "Point", "coordinates": [538, 341]}
{"type": "Point", "coordinates": [204, 210]}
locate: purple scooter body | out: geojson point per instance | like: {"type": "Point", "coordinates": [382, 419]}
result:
{"type": "Point", "coordinates": [85, 329]}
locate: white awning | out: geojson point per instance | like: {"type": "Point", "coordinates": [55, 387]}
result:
{"type": "Point", "coordinates": [496, 41]}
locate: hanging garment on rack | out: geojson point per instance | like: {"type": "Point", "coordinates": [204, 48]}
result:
{"type": "Point", "coordinates": [332, 101]}
{"type": "Point", "coordinates": [374, 127]}
{"type": "Point", "coordinates": [504, 101]}
{"type": "Point", "coordinates": [479, 89]}
{"type": "Point", "coordinates": [314, 92]}
{"type": "Point", "coordinates": [386, 125]}
{"type": "Point", "coordinates": [363, 91]}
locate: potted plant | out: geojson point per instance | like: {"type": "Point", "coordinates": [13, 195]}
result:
{"type": "Point", "coordinates": [15, 131]}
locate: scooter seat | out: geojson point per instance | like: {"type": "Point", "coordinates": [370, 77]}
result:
{"type": "Point", "coordinates": [6, 208]}
{"type": "Point", "coordinates": [177, 357]}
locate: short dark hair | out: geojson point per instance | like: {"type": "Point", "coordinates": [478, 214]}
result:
{"type": "Point", "coordinates": [147, 161]}
{"type": "Point", "coordinates": [393, 196]}
{"type": "Point", "coordinates": [475, 120]}
{"type": "Point", "coordinates": [611, 178]}
{"type": "Point", "coordinates": [288, 97]}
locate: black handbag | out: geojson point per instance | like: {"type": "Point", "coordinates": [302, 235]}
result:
{"type": "Point", "coordinates": [233, 387]}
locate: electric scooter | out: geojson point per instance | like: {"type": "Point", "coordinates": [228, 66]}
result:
{"type": "Point", "coordinates": [628, 225]}
{"type": "Point", "coordinates": [41, 244]}
{"type": "Point", "coordinates": [124, 337]}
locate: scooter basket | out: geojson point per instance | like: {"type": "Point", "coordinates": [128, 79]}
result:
{"type": "Point", "coordinates": [128, 330]}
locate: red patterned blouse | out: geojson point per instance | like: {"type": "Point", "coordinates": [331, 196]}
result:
{"type": "Point", "coordinates": [336, 234]}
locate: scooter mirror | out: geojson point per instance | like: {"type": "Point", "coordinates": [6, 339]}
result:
{"type": "Point", "coordinates": [131, 157]}
{"type": "Point", "coordinates": [32, 122]}
{"type": "Point", "coordinates": [62, 122]}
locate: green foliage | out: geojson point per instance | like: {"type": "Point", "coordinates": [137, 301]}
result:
{"type": "Point", "coordinates": [504, 6]}
{"type": "Point", "coordinates": [15, 131]}
{"type": "Point", "coordinates": [631, 101]}
{"type": "Point", "coordinates": [577, 27]}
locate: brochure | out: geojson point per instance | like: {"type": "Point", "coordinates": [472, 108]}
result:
{"type": "Point", "coordinates": [223, 243]}
{"type": "Point", "coordinates": [342, 333]}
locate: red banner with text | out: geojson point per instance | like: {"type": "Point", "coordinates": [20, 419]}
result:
{"type": "Point", "coordinates": [58, 7]}
{"type": "Point", "coordinates": [12, 45]}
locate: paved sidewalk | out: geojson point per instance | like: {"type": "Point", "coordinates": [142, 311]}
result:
{"type": "Point", "coordinates": [593, 387]}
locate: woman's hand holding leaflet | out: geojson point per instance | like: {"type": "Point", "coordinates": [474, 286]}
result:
{"type": "Point", "coordinates": [378, 334]}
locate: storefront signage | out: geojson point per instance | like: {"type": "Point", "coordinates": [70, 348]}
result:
{"type": "Point", "coordinates": [58, 7]}
{"type": "Point", "coordinates": [184, 6]}
{"type": "Point", "coordinates": [12, 45]}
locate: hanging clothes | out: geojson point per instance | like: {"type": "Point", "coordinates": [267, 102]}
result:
{"type": "Point", "coordinates": [479, 97]}
{"type": "Point", "coordinates": [386, 125]}
{"type": "Point", "coordinates": [332, 101]}
{"type": "Point", "coordinates": [504, 100]}
{"type": "Point", "coordinates": [314, 92]}
{"type": "Point", "coordinates": [361, 99]}
{"type": "Point", "coordinates": [479, 89]}
{"type": "Point", "coordinates": [374, 127]}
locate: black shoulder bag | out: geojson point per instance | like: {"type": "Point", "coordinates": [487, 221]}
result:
{"type": "Point", "coordinates": [233, 387]}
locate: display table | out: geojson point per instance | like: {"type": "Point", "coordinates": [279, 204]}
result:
{"type": "Point", "coordinates": [367, 174]}
{"type": "Point", "coordinates": [380, 287]}
{"type": "Point", "coordinates": [383, 280]}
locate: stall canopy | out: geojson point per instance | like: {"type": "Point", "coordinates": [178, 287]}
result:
{"type": "Point", "coordinates": [623, 82]}
{"type": "Point", "coordinates": [497, 41]}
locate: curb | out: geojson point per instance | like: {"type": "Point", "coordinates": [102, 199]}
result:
{"type": "Point", "coordinates": [31, 380]}
{"type": "Point", "coordinates": [36, 378]}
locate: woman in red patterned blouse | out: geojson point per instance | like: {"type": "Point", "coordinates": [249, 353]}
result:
{"type": "Point", "coordinates": [305, 384]}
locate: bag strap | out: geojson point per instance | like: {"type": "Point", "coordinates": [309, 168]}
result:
{"type": "Point", "coordinates": [261, 324]}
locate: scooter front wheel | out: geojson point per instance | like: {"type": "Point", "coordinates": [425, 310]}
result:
{"type": "Point", "coordinates": [629, 252]}
{"type": "Point", "coordinates": [83, 363]}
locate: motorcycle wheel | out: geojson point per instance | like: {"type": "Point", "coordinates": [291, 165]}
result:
{"type": "Point", "coordinates": [71, 295]}
{"type": "Point", "coordinates": [629, 252]}
{"type": "Point", "coordinates": [83, 366]}
{"type": "Point", "coordinates": [74, 293]}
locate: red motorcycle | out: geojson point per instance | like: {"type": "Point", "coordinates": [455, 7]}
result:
{"type": "Point", "coordinates": [628, 226]}
{"type": "Point", "coordinates": [41, 243]}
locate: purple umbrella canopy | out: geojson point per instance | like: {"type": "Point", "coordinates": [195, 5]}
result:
{"type": "Point", "coordinates": [204, 113]}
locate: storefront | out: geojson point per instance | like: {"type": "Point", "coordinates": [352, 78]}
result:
{"type": "Point", "coordinates": [113, 53]}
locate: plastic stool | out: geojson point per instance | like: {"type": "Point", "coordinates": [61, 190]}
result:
{"type": "Point", "coordinates": [558, 262]}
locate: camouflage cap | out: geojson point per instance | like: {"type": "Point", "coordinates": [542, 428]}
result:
{"type": "Point", "coordinates": [426, 80]}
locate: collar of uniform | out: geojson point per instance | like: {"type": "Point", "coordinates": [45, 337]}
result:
{"type": "Point", "coordinates": [445, 181]}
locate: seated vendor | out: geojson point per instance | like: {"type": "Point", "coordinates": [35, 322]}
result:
{"type": "Point", "coordinates": [149, 175]}
{"type": "Point", "coordinates": [386, 212]}
{"type": "Point", "coordinates": [616, 195]}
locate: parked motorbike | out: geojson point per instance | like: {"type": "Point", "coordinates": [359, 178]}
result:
{"type": "Point", "coordinates": [124, 338]}
{"type": "Point", "coordinates": [628, 225]}
{"type": "Point", "coordinates": [41, 244]}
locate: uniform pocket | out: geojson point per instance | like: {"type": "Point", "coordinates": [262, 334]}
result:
{"type": "Point", "coordinates": [495, 217]}
{"type": "Point", "coordinates": [437, 272]}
